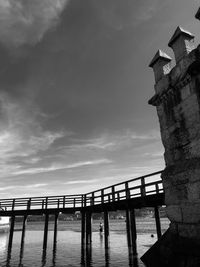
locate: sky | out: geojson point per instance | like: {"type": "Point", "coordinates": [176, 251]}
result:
{"type": "Point", "coordinates": [74, 91]}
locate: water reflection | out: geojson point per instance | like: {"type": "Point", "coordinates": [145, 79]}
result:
{"type": "Point", "coordinates": [3, 249]}
{"type": "Point", "coordinates": [107, 257]}
{"type": "Point", "coordinates": [3, 242]}
{"type": "Point", "coordinates": [44, 257]}
{"type": "Point", "coordinates": [54, 258]}
{"type": "Point", "coordinates": [87, 255]}
{"type": "Point", "coordinates": [101, 239]}
{"type": "Point", "coordinates": [8, 258]}
{"type": "Point", "coordinates": [133, 259]}
{"type": "Point", "coordinates": [21, 254]}
{"type": "Point", "coordinates": [82, 256]}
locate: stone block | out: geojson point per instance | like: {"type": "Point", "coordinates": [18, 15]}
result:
{"type": "Point", "coordinates": [178, 108]}
{"type": "Point", "coordinates": [193, 189]}
{"type": "Point", "coordinates": [185, 92]}
{"type": "Point", "coordinates": [174, 213]}
{"type": "Point", "coordinates": [191, 213]}
{"type": "Point", "coordinates": [189, 230]}
{"type": "Point", "coordinates": [162, 84]}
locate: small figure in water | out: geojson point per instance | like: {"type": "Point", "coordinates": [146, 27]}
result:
{"type": "Point", "coordinates": [100, 227]}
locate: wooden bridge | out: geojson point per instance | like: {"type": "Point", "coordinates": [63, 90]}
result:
{"type": "Point", "coordinates": [144, 191]}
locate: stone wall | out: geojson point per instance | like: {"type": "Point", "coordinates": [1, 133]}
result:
{"type": "Point", "coordinates": [177, 100]}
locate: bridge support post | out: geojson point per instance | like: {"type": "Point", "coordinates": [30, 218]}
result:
{"type": "Point", "coordinates": [83, 228]}
{"type": "Point", "coordinates": [23, 231]}
{"type": "Point", "coordinates": [128, 227]}
{"type": "Point", "coordinates": [46, 224]}
{"type": "Point", "coordinates": [88, 259]}
{"type": "Point", "coordinates": [158, 225]}
{"type": "Point", "coordinates": [88, 228]}
{"type": "Point", "coordinates": [55, 231]}
{"type": "Point", "coordinates": [133, 231]}
{"type": "Point", "coordinates": [106, 228]}
{"type": "Point", "coordinates": [12, 225]}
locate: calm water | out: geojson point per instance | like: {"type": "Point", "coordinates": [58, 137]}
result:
{"type": "Point", "coordinates": [68, 251]}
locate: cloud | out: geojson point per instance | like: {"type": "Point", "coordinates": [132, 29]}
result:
{"type": "Point", "coordinates": [102, 142]}
{"type": "Point", "coordinates": [146, 10]}
{"type": "Point", "coordinates": [56, 167]}
{"type": "Point", "coordinates": [119, 14]}
{"type": "Point", "coordinates": [158, 154]}
{"type": "Point", "coordinates": [82, 181]}
{"type": "Point", "coordinates": [26, 21]}
{"type": "Point", "coordinates": [21, 119]}
{"type": "Point", "coordinates": [35, 185]}
{"type": "Point", "coordinates": [18, 187]}
{"type": "Point", "coordinates": [21, 135]}
{"type": "Point", "coordinates": [110, 142]}
{"type": "Point", "coordinates": [151, 135]}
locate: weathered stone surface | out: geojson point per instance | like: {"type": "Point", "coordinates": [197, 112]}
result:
{"type": "Point", "coordinates": [174, 213]}
{"type": "Point", "coordinates": [191, 215]}
{"type": "Point", "coordinates": [177, 99]}
{"type": "Point", "coordinates": [173, 251]}
{"type": "Point", "coordinates": [190, 231]}
{"type": "Point", "coordinates": [160, 65]}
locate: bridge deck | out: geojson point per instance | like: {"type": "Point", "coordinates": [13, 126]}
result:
{"type": "Point", "coordinates": [144, 191]}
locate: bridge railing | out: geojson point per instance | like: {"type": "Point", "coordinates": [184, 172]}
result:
{"type": "Point", "coordinates": [137, 187]}
{"type": "Point", "coordinates": [49, 202]}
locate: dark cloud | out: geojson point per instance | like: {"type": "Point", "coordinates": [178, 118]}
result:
{"type": "Point", "coordinates": [74, 91]}
{"type": "Point", "coordinates": [25, 22]}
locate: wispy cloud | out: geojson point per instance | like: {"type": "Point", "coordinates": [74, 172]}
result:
{"type": "Point", "coordinates": [102, 142]}
{"type": "Point", "coordinates": [150, 135]}
{"type": "Point", "coordinates": [30, 186]}
{"type": "Point", "coordinates": [61, 167]}
{"type": "Point", "coordinates": [158, 154]}
{"type": "Point", "coordinates": [82, 181]}
{"type": "Point", "coordinates": [145, 10]}
{"type": "Point", "coordinates": [113, 14]}
{"type": "Point", "coordinates": [109, 142]}
{"type": "Point", "coordinates": [21, 134]}
{"type": "Point", "coordinates": [25, 22]}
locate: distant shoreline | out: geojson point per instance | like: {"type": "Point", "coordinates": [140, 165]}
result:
{"type": "Point", "coordinates": [144, 225]}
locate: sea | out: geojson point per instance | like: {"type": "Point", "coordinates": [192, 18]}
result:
{"type": "Point", "coordinates": [69, 253]}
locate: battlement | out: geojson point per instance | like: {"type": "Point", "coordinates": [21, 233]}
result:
{"type": "Point", "coordinates": [177, 100]}
{"type": "Point", "coordinates": [168, 78]}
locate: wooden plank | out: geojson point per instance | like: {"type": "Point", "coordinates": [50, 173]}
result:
{"type": "Point", "coordinates": [92, 199]}
{"type": "Point", "coordinates": [46, 203]}
{"type": "Point", "coordinates": [102, 196]}
{"type": "Point", "coordinates": [127, 190]}
{"type": "Point", "coordinates": [13, 204]}
{"type": "Point", "coordinates": [29, 204]}
{"type": "Point", "coordinates": [113, 193]}
{"type": "Point", "coordinates": [143, 191]}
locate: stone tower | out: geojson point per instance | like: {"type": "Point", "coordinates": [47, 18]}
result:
{"type": "Point", "coordinates": [177, 100]}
